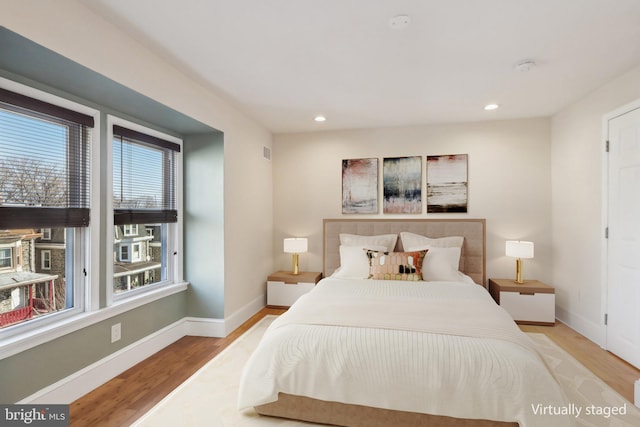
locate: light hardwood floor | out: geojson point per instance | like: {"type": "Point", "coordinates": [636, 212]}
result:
{"type": "Point", "coordinates": [130, 395]}
{"type": "Point", "coordinates": [619, 374]}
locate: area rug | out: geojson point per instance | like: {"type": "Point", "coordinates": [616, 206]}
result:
{"type": "Point", "coordinates": [209, 397]}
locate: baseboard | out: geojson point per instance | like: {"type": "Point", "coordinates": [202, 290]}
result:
{"type": "Point", "coordinates": [205, 327]}
{"type": "Point", "coordinates": [240, 316]}
{"type": "Point", "coordinates": [83, 381]}
{"type": "Point", "coordinates": [636, 394]}
{"type": "Point", "coordinates": [587, 328]}
{"type": "Point", "coordinates": [87, 379]}
{"type": "Point", "coordinates": [218, 328]}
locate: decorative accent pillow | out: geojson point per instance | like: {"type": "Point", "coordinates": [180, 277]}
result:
{"type": "Point", "coordinates": [354, 263]}
{"type": "Point", "coordinates": [395, 265]}
{"type": "Point", "coordinates": [369, 242]}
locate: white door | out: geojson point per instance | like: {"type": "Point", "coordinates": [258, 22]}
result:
{"type": "Point", "coordinates": [623, 252]}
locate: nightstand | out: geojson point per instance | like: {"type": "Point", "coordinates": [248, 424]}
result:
{"type": "Point", "coordinates": [284, 287]}
{"type": "Point", "coordinates": [531, 302]}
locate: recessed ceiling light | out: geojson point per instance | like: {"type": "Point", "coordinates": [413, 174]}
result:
{"type": "Point", "coordinates": [490, 107]}
{"type": "Point", "coordinates": [399, 22]}
{"type": "Point", "coordinates": [319, 118]}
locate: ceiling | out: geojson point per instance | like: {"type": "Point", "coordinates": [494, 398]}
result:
{"type": "Point", "coordinates": [282, 62]}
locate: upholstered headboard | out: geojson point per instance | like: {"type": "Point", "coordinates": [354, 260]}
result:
{"type": "Point", "coordinates": [472, 259]}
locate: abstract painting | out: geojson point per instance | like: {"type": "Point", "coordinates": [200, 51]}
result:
{"type": "Point", "coordinates": [360, 186]}
{"type": "Point", "coordinates": [447, 183]}
{"type": "Point", "coordinates": [402, 178]}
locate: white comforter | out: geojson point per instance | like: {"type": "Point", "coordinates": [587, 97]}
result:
{"type": "Point", "coordinates": [441, 348]}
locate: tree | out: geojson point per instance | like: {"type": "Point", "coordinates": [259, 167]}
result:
{"type": "Point", "coordinates": [29, 182]}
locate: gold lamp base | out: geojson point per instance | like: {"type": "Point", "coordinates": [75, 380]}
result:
{"type": "Point", "coordinates": [519, 276]}
{"type": "Point", "coordinates": [294, 264]}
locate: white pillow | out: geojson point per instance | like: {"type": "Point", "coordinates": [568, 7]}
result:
{"type": "Point", "coordinates": [354, 263]}
{"type": "Point", "coordinates": [441, 264]}
{"type": "Point", "coordinates": [411, 240]}
{"type": "Point", "coordinates": [388, 241]}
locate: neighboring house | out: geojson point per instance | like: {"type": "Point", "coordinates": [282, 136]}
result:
{"type": "Point", "coordinates": [50, 252]}
{"type": "Point", "coordinates": [24, 291]}
{"type": "Point", "coordinates": [33, 263]}
{"type": "Point", "coordinates": [136, 255]}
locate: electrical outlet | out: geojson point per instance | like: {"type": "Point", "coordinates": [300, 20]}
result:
{"type": "Point", "coordinates": [116, 332]}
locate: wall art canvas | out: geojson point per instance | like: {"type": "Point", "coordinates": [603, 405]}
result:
{"type": "Point", "coordinates": [447, 183]}
{"type": "Point", "coordinates": [402, 185]}
{"type": "Point", "coordinates": [360, 186]}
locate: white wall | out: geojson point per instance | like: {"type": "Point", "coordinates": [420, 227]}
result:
{"type": "Point", "coordinates": [248, 218]}
{"type": "Point", "coordinates": [577, 220]}
{"type": "Point", "coordinates": [72, 30]}
{"type": "Point", "coordinates": [509, 183]}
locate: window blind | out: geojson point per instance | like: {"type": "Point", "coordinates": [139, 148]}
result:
{"type": "Point", "coordinates": [144, 178]}
{"type": "Point", "coordinates": [44, 164]}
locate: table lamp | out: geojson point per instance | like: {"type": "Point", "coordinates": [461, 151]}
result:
{"type": "Point", "coordinates": [519, 249]}
{"type": "Point", "coordinates": [295, 246]}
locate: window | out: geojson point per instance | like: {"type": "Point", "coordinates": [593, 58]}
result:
{"type": "Point", "coordinates": [145, 194]}
{"type": "Point", "coordinates": [136, 252]}
{"type": "Point", "coordinates": [44, 183]}
{"type": "Point", "coordinates": [46, 260]}
{"type": "Point", "coordinates": [124, 253]}
{"type": "Point", "coordinates": [5, 258]}
{"type": "Point", "coordinates": [131, 252]}
{"type": "Point", "coordinates": [46, 234]}
{"type": "Point", "coordinates": [131, 230]}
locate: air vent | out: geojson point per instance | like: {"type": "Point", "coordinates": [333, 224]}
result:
{"type": "Point", "coordinates": [266, 153]}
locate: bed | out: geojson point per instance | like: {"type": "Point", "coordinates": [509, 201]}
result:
{"type": "Point", "coordinates": [392, 349]}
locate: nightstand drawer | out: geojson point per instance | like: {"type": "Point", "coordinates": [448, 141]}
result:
{"type": "Point", "coordinates": [285, 294]}
{"type": "Point", "coordinates": [531, 307]}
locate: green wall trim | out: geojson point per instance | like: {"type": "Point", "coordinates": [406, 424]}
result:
{"type": "Point", "coordinates": [31, 370]}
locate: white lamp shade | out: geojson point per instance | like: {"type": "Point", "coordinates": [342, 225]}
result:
{"type": "Point", "coordinates": [295, 245]}
{"type": "Point", "coordinates": [519, 249]}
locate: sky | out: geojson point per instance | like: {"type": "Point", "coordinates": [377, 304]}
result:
{"type": "Point", "coordinates": [132, 182]}
{"type": "Point", "coordinates": [137, 169]}
{"type": "Point", "coordinates": [38, 139]}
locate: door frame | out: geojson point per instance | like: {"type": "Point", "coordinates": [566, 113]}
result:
{"type": "Point", "coordinates": [604, 252]}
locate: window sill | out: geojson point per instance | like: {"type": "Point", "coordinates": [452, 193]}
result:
{"type": "Point", "coordinates": [21, 342]}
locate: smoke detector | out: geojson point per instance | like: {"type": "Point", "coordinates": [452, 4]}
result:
{"type": "Point", "coordinates": [525, 65]}
{"type": "Point", "coordinates": [399, 22]}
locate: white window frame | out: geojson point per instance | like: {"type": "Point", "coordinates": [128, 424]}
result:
{"type": "Point", "coordinates": [131, 251]}
{"type": "Point", "coordinates": [45, 256]}
{"type": "Point", "coordinates": [121, 253]}
{"type": "Point", "coordinates": [22, 336]}
{"type": "Point", "coordinates": [10, 257]}
{"type": "Point", "coordinates": [130, 230]}
{"type": "Point", "coordinates": [46, 234]}
{"type": "Point", "coordinates": [136, 252]}
{"type": "Point", "coordinates": [173, 238]}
